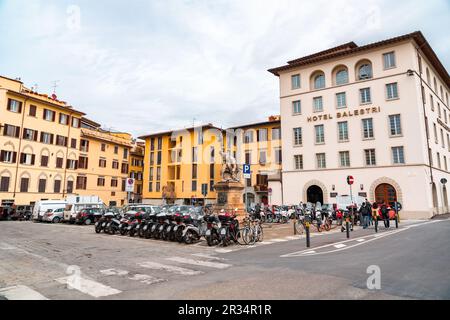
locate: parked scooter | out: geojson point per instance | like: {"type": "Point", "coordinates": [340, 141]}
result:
{"type": "Point", "coordinates": [148, 225]}
{"type": "Point", "coordinates": [112, 226]}
{"type": "Point", "coordinates": [133, 228]}
{"type": "Point", "coordinates": [193, 230]}
{"type": "Point", "coordinates": [229, 231]}
{"type": "Point", "coordinates": [213, 226]}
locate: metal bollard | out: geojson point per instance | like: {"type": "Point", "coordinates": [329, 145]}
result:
{"type": "Point", "coordinates": [308, 239]}
{"type": "Point", "coordinates": [347, 228]}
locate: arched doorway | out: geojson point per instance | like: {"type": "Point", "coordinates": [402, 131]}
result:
{"type": "Point", "coordinates": [435, 198]}
{"type": "Point", "coordinates": [314, 194]}
{"type": "Point", "coordinates": [444, 192]}
{"type": "Point", "coordinates": [385, 193]}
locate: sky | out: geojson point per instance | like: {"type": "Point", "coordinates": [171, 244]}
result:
{"type": "Point", "coordinates": [148, 66]}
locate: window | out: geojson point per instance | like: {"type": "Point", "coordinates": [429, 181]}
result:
{"type": "Point", "coordinates": [57, 186]}
{"type": "Point", "coordinates": [158, 173]}
{"type": "Point", "coordinates": [24, 182]}
{"type": "Point", "coordinates": [319, 81]}
{"type": "Point", "coordinates": [27, 159]}
{"type": "Point", "coordinates": [4, 184]}
{"type": "Point", "coordinates": [341, 100]}
{"type": "Point", "coordinates": [296, 107]}
{"type": "Point", "coordinates": [194, 185]}
{"type": "Point", "coordinates": [42, 185]}
{"type": "Point", "coordinates": [278, 155]}
{"type": "Point", "coordinates": [100, 181]}
{"type": "Point", "coordinates": [391, 91]}
{"type": "Point", "coordinates": [370, 157]}
{"type": "Point", "coordinates": [125, 153]}
{"type": "Point", "coordinates": [69, 186]}
{"type": "Point", "coordinates": [81, 183]}
{"type": "Point", "coordinates": [75, 122]}
{"type": "Point", "coordinates": [344, 158]}
{"type": "Point", "coordinates": [431, 102]}
{"type": "Point", "coordinates": [442, 138]}
{"type": "Point", "coordinates": [159, 157]}
{"type": "Point", "coordinates": [103, 147]}
{"type": "Point", "coordinates": [159, 143]}
{"type": "Point", "coordinates": [298, 162]}
{"type": "Point", "coordinates": [59, 162]}
{"type": "Point", "coordinates": [320, 133]}
{"type": "Point", "coordinates": [32, 111]}
{"type": "Point", "coordinates": [211, 185]}
{"type": "Point", "coordinates": [248, 157]}
{"type": "Point", "coordinates": [321, 163]}
{"type": "Point", "coordinates": [114, 182]}
{"type": "Point", "coordinates": [71, 164]}
{"type": "Point", "coordinates": [438, 156]}
{"type": "Point", "coordinates": [343, 131]}
{"type": "Point", "coordinates": [365, 95]}
{"type": "Point", "coordinates": [73, 143]}
{"type": "Point", "coordinates": [342, 77]}
{"type": "Point", "coordinates": [262, 156]}
{"type": "Point", "coordinates": [29, 134]}
{"type": "Point", "coordinates": [63, 119]}
{"type": "Point", "coordinates": [11, 131]}
{"type": "Point", "coordinates": [46, 138]}
{"type": "Point", "coordinates": [102, 163]}
{"type": "Point", "coordinates": [194, 171]}
{"type": "Point", "coordinates": [295, 81]}
{"type": "Point", "coordinates": [262, 134]}
{"type": "Point", "coordinates": [14, 106]}
{"type": "Point", "coordinates": [276, 133]}
{"type": "Point", "coordinates": [298, 136]}
{"type": "Point", "coordinates": [8, 156]}
{"type": "Point", "coordinates": [116, 150]}
{"type": "Point", "coordinates": [115, 164]}
{"type": "Point", "coordinates": [152, 158]}
{"type": "Point", "coordinates": [248, 136]}
{"type": "Point", "coordinates": [44, 161]}
{"type": "Point", "coordinates": [150, 187]}
{"type": "Point", "coordinates": [398, 155]}
{"type": "Point", "coordinates": [445, 163]}
{"type": "Point", "coordinates": [211, 171]}
{"type": "Point", "coordinates": [83, 162]}
{"type": "Point", "coordinates": [435, 133]}
{"type": "Point", "coordinates": [367, 128]}
{"type": "Point", "coordinates": [49, 115]}
{"type": "Point", "coordinates": [61, 141]}
{"type": "Point", "coordinates": [317, 104]}
{"type": "Point", "coordinates": [389, 60]}
{"type": "Point", "coordinates": [124, 168]}
{"type": "Point", "coordinates": [151, 174]}
{"type": "Point", "coordinates": [84, 145]}
{"type": "Point", "coordinates": [395, 125]}
{"type": "Point", "coordinates": [439, 110]}
{"type": "Point", "coordinates": [194, 154]}
{"type": "Point", "coordinates": [365, 71]}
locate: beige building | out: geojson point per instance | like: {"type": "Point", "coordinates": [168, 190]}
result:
{"type": "Point", "coordinates": [378, 112]}
{"type": "Point", "coordinates": [39, 139]}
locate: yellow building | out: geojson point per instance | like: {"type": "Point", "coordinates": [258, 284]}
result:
{"type": "Point", "coordinates": [137, 170]}
{"type": "Point", "coordinates": [178, 163]}
{"type": "Point", "coordinates": [103, 165]}
{"type": "Point", "coordinates": [39, 139]}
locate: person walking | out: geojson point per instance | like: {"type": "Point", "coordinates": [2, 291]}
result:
{"type": "Point", "coordinates": [365, 212]}
{"type": "Point", "coordinates": [385, 215]}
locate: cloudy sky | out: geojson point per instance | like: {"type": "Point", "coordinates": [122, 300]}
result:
{"type": "Point", "coordinates": [145, 66]}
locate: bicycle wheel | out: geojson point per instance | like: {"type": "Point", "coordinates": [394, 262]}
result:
{"type": "Point", "coordinates": [260, 233]}
{"type": "Point", "coordinates": [246, 235]}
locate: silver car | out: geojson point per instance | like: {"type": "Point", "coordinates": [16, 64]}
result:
{"type": "Point", "coordinates": [53, 215]}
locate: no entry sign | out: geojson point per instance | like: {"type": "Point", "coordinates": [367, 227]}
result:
{"type": "Point", "coordinates": [350, 180]}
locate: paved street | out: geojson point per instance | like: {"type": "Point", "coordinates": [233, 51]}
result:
{"type": "Point", "coordinates": [43, 261]}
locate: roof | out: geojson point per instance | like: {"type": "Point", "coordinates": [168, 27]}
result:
{"type": "Point", "coordinates": [256, 124]}
{"type": "Point", "coordinates": [16, 80]}
{"type": "Point", "coordinates": [208, 126]}
{"type": "Point", "coordinates": [351, 48]}
{"type": "Point", "coordinates": [90, 122]}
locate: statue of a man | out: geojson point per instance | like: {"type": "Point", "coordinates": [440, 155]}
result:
{"type": "Point", "coordinates": [230, 168]}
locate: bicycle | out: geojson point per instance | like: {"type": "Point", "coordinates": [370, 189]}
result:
{"type": "Point", "coordinates": [252, 231]}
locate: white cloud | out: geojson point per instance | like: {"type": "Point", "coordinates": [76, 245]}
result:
{"type": "Point", "coordinates": [145, 66]}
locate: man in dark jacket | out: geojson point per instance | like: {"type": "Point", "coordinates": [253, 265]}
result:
{"type": "Point", "coordinates": [385, 214]}
{"type": "Point", "coordinates": [365, 212]}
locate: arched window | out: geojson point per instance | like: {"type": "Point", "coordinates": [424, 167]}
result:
{"type": "Point", "coordinates": [319, 81]}
{"type": "Point", "coordinates": [365, 71]}
{"type": "Point", "coordinates": [342, 76]}
{"type": "Point", "coordinates": [435, 85]}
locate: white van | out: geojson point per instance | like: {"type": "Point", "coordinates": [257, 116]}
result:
{"type": "Point", "coordinates": [41, 207]}
{"type": "Point", "coordinates": [77, 203]}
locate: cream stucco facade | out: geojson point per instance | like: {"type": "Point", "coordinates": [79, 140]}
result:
{"type": "Point", "coordinates": [381, 140]}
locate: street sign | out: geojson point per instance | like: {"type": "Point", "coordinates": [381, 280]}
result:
{"type": "Point", "coordinates": [443, 181]}
{"type": "Point", "coordinates": [247, 171]}
{"type": "Point", "coordinates": [350, 180]}
{"type": "Point", "coordinates": [129, 186]}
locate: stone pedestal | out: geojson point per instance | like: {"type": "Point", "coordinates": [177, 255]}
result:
{"type": "Point", "coordinates": [229, 197]}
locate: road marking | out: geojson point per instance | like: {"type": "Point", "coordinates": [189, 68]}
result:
{"type": "Point", "coordinates": [21, 293]}
{"type": "Point", "coordinates": [341, 245]}
{"type": "Point", "coordinates": [223, 250]}
{"type": "Point", "coordinates": [265, 242]}
{"type": "Point", "coordinates": [292, 238]}
{"type": "Point", "coordinates": [207, 256]}
{"type": "Point", "coordinates": [169, 268]}
{"type": "Point", "coordinates": [374, 237]}
{"type": "Point", "coordinates": [309, 252]}
{"type": "Point", "coordinates": [114, 272]}
{"type": "Point", "coordinates": [146, 279]}
{"type": "Point", "coordinates": [202, 263]}
{"type": "Point", "coordinates": [87, 286]}
{"type": "Point", "coordinates": [278, 240]}
{"type": "Point", "coordinates": [361, 240]}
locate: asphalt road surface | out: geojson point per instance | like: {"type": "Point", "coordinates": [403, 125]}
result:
{"type": "Point", "coordinates": [46, 261]}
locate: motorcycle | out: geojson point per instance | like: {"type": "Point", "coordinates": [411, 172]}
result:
{"type": "Point", "coordinates": [229, 231]}
{"type": "Point", "coordinates": [213, 226]}
{"type": "Point", "coordinates": [125, 223]}
{"type": "Point", "coordinates": [134, 227]}
{"type": "Point", "coordinates": [158, 228]}
{"type": "Point", "coordinates": [101, 223]}
{"type": "Point", "coordinates": [112, 226]}
{"type": "Point", "coordinates": [193, 230]}
{"type": "Point", "coordinates": [148, 225]}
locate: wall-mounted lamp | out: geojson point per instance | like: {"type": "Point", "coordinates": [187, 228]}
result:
{"type": "Point", "coordinates": [333, 187]}
{"type": "Point", "coordinates": [410, 73]}
{"type": "Point", "coordinates": [361, 186]}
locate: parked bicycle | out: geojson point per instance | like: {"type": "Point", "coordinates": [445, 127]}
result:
{"type": "Point", "coordinates": [252, 231]}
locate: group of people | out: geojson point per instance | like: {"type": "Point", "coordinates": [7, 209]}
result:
{"type": "Point", "coordinates": [368, 212]}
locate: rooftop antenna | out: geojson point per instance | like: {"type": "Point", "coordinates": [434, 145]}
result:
{"type": "Point", "coordinates": [55, 85]}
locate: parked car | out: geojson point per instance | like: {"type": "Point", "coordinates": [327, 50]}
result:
{"type": "Point", "coordinates": [41, 207]}
{"type": "Point", "coordinates": [22, 213]}
{"type": "Point", "coordinates": [5, 213]}
{"type": "Point", "coordinates": [54, 215]}
{"type": "Point", "coordinates": [89, 215]}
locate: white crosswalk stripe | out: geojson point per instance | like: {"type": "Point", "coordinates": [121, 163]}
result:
{"type": "Point", "coordinates": [340, 245]}
{"type": "Point", "coordinates": [202, 263]}
{"type": "Point", "coordinates": [87, 286]}
{"type": "Point", "coordinates": [146, 279]}
{"type": "Point", "coordinates": [21, 293]}
{"type": "Point", "coordinates": [169, 268]}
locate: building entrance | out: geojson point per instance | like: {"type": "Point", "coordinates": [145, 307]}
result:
{"type": "Point", "coordinates": [314, 194]}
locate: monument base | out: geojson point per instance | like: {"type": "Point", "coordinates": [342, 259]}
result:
{"type": "Point", "coordinates": [229, 197]}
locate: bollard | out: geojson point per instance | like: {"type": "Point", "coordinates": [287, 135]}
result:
{"type": "Point", "coordinates": [295, 224]}
{"type": "Point", "coordinates": [308, 241]}
{"type": "Point", "coordinates": [347, 228]}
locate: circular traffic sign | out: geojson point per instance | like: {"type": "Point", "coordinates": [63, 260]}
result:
{"type": "Point", "coordinates": [350, 180]}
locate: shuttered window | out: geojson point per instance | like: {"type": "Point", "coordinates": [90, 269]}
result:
{"type": "Point", "coordinates": [24, 182]}
{"type": "Point", "coordinates": [57, 186]}
{"type": "Point", "coordinates": [4, 184]}
{"type": "Point", "coordinates": [42, 185]}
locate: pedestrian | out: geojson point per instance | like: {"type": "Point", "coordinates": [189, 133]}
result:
{"type": "Point", "coordinates": [365, 212]}
{"type": "Point", "coordinates": [385, 214]}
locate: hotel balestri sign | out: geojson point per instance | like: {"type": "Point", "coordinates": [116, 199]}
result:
{"type": "Point", "coordinates": [344, 114]}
